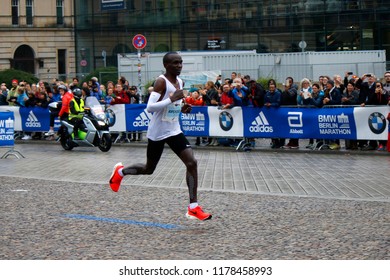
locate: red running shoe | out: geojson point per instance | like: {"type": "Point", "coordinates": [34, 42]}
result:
{"type": "Point", "coordinates": [116, 178]}
{"type": "Point", "coordinates": [197, 213]}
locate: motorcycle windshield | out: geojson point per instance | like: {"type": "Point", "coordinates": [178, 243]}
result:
{"type": "Point", "coordinates": [96, 108]}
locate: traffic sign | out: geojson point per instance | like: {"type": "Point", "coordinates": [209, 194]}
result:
{"type": "Point", "coordinates": [83, 63]}
{"type": "Point", "coordinates": [139, 41]}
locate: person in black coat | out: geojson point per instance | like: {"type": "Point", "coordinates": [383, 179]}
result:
{"type": "Point", "coordinates": [366, 84]}
{"type": "Point", "coordinates": [256, 93]}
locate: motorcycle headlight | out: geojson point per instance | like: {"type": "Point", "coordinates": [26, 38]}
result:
{"type": "Point", "coordinates": [101, 116]}
{"type": "Point", "coordinates": [101, 123]}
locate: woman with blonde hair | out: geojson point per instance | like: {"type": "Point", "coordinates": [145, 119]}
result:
{"type": "Point", "coordinates": [305, 91]}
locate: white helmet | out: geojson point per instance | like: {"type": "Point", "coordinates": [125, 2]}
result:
{"type": "Point", "coordinates": [62, 87]}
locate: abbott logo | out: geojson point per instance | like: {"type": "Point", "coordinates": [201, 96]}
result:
{"type": "Point", "coordinates": [295, 119]}
{"type": "Point", "coordinates": [32, 120]}
{"type": "Point", "coordinates": [261, 124]}
{"type": "Point", "coordinates": [143, 119]}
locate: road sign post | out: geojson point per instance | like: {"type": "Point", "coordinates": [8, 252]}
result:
{"type": "Point", "coordinates": [139, 42]}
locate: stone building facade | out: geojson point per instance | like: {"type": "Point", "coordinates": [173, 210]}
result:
{"type": "Point", "coordinates": [37, 36]}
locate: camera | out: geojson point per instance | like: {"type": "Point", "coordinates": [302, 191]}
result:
{"type": "Point", "coordinates": [350, 73]}
{"type": "Point", "coordinates": [368, 75]}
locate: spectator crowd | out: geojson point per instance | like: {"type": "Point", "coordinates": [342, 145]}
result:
{"type": "Point", "coordinates": [237, 90]}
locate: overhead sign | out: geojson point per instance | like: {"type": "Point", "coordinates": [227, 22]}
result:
{"type": "Point", "coordinates": [139, 41]}
{"type": "Point", "coordinates": [213, 44]}
{"type": "Point", "coordinates": [112, 5]}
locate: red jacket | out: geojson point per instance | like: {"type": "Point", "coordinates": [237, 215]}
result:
{"type": "Point", "coordinates": [68, 96]}
{"type": "Point", "coordinates": [195, 102]}
{"type": "Point", "coordinates": [123, 98]}
{"type": "Point", "coordinates": [225, 99]}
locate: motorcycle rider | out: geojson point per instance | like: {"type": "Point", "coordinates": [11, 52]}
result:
{"type": "Point", "coordinates": [67, 96]}
{"type": "Point", "coordinates": [76, 107]}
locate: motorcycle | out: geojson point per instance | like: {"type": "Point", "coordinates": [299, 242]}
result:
{"type": "Point", "coordinates": [94, 131]}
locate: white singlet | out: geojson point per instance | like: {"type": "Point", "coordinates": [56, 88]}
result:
{"type": "Point", "coordinates": [165, 123]}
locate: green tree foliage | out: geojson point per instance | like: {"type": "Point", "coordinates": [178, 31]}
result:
{"type": "Point", "coordinates": [264, 82]}
{"type": "Point", "coordinates": [6, 76]}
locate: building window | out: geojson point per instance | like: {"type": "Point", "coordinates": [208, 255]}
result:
{"type": "Point", "coordinates": [29, 12]}
{"type": "Point", "coordinates": [15, 12]}
{"type": "Point", "coordinates": [61, 62]}
{"type": "Point", "coordinates": [130, 5]}
{"type": "Point", "coordinates": [148, 6]}
{"type": "Point", "coordinates": [60, 12]}
{"type": "Point", "coordinates": [161, 5]}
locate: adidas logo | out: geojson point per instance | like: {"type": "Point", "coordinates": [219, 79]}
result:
{"type": "Point", "coordinates": [143, 119]}
{"type": "Point", "coordinates": [260, 124]}
{"type": "Point", "coordinates": [260, 120]}
{"type": "Point", "coordinates": [32, 120]}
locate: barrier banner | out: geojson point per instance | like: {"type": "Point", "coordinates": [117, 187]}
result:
{"type": "Point", "coordinates": [365, 123]}
{"type": "Point", "coordinates": [388, 136]}
{"type": "Point", "coordinates": [196, 123]}
{"type": "Point", "coordinates": [119, 113]}
{"type": "Point", "coordinates": [16, 116]}
{"type": "Point", "coordinates": [6, 129]}
{"type": "Point", "coordinates": [284, 122]}
{"type": "Point", "coordinates": [34, 119]}
{"type": "Point", "coordinates": [371, 122]}
{"type": "Point", "coordinates": [137, 117]}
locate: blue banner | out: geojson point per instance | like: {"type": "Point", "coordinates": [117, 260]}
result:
{"type": "Point", "coordinates": [6, 129]}
{"type": "Point", "coordinates": [299, 123]}
{"type": "Point", "coordinates": [137, 117]}
{"type": "Point", "coordinates": [196, 123]}
{"type": "Point", "coordinates": [35, 119]}
{"type": "Point", "coordinates": [366, 123]}
{"type": "Point", "coordinates": [285, 122]}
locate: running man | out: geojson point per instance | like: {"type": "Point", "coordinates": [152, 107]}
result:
{"type": "Point", "coordinates": [165, 102]}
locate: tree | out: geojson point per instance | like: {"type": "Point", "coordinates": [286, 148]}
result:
{"type": "Point", "coordinates": [6, 76]}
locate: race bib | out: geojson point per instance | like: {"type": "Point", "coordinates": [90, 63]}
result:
{"type": "Point", "coordinates": [171, 112]}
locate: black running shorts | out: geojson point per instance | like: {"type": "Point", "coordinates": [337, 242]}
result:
{"type": "Point", "coordinates": [177, 143]}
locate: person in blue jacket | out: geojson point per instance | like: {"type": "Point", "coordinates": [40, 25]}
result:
{"type": "Point", "coordinates": [272, 96]}
{"type": "Point", "coordinates": [239, 93]}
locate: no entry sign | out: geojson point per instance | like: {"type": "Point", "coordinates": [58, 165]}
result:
{"type": "Point", "coordinates": [139, 41]}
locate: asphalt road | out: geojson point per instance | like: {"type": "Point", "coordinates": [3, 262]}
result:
{"type": "Point", "coordinates": [57, 205]}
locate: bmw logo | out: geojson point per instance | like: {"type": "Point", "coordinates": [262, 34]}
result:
{"type": "Point", "coordinates": [110, 117]}
{"type": "Point", "coordinates": [377, 122]}
{"type": "Point", "coordinates": [225, 121]}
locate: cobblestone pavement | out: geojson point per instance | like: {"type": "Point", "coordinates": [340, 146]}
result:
{"type": "Point", "coordinates": [266, 204]}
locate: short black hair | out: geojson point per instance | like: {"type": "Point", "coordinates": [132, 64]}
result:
{"type": "Point", "coordinates": [166, 58]}
{"type": "Point", "coordinates": [122, 79]}
{"type": "Point", "coordinates": [316, 85]}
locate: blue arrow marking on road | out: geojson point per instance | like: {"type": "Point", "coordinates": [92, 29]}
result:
{"type": "Point", "coordinates": [127, 222]}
